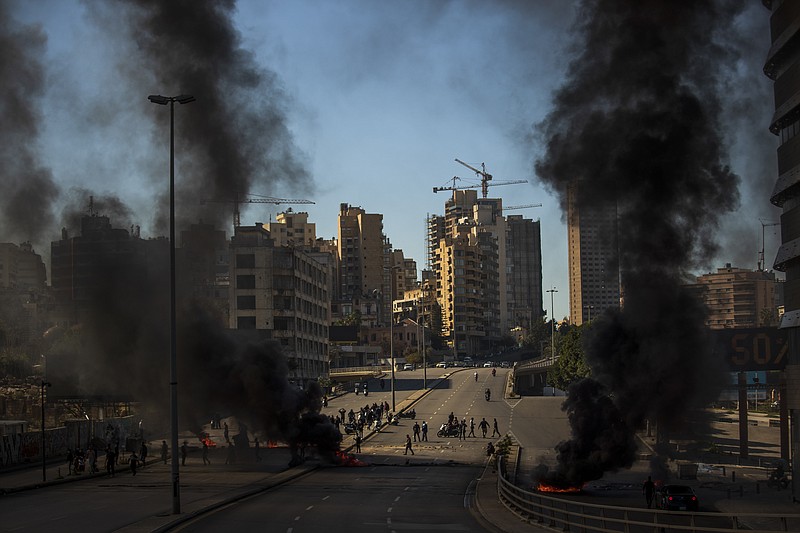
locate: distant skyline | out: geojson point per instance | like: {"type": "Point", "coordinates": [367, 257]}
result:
{"type": "Point", "coordinates": [378, 99]}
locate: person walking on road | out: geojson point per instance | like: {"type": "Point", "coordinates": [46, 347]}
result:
{"type": "Point", "coordinates": [258, 449]}
{"type": "Point", "coordinates": [424, 431]}
{"type": "Point", "coordinates": [408, 446]}
{"type": "Point", "coordinates": [484, 425]}
{"type": "Point", "coordinates": [494, 429]}
{"type": "Point", "coordinates": [472, 426]}
{"type": "Point", "coordinates": [184, 452]}
{"type": "Point", "coordinates": [206, 460]}
{"type": "Point", "coordinates": [649, 490]}
{"type": "Point", "coordinates": [164, 451]}
{"type": "Point", "coordinates": [134, 461]}
{"type": "Point", "coordinates": [111, 461]}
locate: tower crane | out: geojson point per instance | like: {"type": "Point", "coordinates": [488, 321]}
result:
{"type": "Point", "coordinates": [761, 262]}
{"type": "Point", "coordinates": [526, 206]}
{"type": "Point", "coordinates": [236, 200]}
{"type": "Point", "coordinates": [485, 177]}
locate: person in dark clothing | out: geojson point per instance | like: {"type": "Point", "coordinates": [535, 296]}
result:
{"type": "Point", "coordinates": [164, 451]}
{"type": "Point", "coordinates": [134, 463]}
{"type": "Point", "coordinates": [649, 490]}
{"type": "Point", "coordinates": [70, 458]}
{"type": "Point", "coordinates": [184, 451]}
{"type": "Point", "coordinates": [111, 461]}
{"type": "Point", "coordinates": [143, 453]}
{"type": "Point", "coordinates": [358, 443]}
{"type": "Point", "coordinates": [408, 446]}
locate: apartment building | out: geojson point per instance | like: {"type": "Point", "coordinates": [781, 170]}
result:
{"type": "Point", "coordinates": [523, 272]}
{"type": "Point", "coordinates": [738, 298]}
{"type": "Point", "coordinates": [284, 292]}
{"type": "Point", "coordinates": [21, 267]}
{"type": "Point", "coordinates": [783, 67]}
{"type": "Point", "coordinates": [594, 277]}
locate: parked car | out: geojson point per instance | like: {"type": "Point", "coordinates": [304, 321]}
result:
{"type": "Point", "coordinates": [677, 498]}
{"type": "Point", "coordinates": [408, 366]}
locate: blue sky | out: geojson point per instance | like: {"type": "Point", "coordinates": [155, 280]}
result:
{"type": "Point", "coordinates": [379, 98]}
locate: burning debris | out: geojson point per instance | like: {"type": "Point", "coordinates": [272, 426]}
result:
{"type": "Point", "coordinates": [635, 129]}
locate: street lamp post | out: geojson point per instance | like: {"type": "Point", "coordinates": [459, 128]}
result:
{"type": "Point", "coordinates": [552, 325]}
{"type": "Point", "coordinates": [173, 352]}
{"type": "Point", "coordinates": [391, 347]}
{"type": "Point", "coordinates": [589, 309]}
{"type": "Point", "coordinates": [45, 384]}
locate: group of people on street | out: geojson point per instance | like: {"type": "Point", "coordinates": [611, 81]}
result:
{"type": "Point", "coordinates": [460, 427]}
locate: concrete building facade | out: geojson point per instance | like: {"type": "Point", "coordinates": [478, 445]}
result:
{"type": "Point", "coordinates": [783, 67]}
{"type": "Point", "coordinates": [283, 291]}
{"type": "Point", "coordinates": [738, 298]}
{"type": "Point", "coordinates": [594, 277]}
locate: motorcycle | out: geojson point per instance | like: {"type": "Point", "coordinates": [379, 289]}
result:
{"type": "Point", "coordinates": [476, 376]}
{"type": "Point", "coordinates": [350, 428]}
{"type": "Point", "coordinates": [412, 414]}
{"type": "Point", "coordinates": [778, 479]}
{"type": "Point", "coordinates": [488, 394]}
{"type": "Point", "coordinates": [447, 431]}
{"type": "Point", "coordinates": [494, 372]}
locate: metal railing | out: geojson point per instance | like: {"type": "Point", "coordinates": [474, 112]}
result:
{"type": "Point", "coordinates": [565, 514]}
{"type": "Point", "coordinates": [359, 370]}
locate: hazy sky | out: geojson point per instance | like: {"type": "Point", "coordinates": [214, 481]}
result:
{"type": "Point", "coordinates": [378, 99]}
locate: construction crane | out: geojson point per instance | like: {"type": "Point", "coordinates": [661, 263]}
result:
{"type": "Point", "coordinates": [761, 262]}
{"type": "Point", "coordinates": [526, 206]}
{"type": "Point", "coordinates": [483, 186]}
{"type": "Point", "coordinates": [485, 177]}
{"type": "Point", "coordinates": [260, 199]}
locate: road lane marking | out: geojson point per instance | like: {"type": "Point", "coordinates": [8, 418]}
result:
{"type": "Point", "coordinates": [309, 507]}
{"type": "Point", "coordinates": [325, 498]}
{"type": "Point", "coordinates": [389, 510]}
{"type": "Point", "coordinates": [397, 499]}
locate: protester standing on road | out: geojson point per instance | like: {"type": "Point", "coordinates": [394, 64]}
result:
{"type": "Point", "coordinates": [206, 460]}
{"type": "Point", "coordinates": [649, 490]}
{"type": "Point", "coordinates": [424, 430]}
{"type": "Point", "coordinates": [258, 449]}
{"type": "Point", "coordinates": [408, 446]}
{"type": "Point", "coordinates": [494, 429]}
{"type": "Point", "coordinates": [484, 425]}
{"type": "Point", "coordinates": [225, 434]}
{"type": "Point", "coordinates": [358, 443]}
{"type": "Point", "coordinates": [143, 453]}
{"type": "Point", "coordinates": [111, 460]}
{"type": "Point", "coordinates": [184, 451]}
{"type": "Point", "coordinates": [416, 432]}
{"type": "Point", "coordinates": [134, 463]}
{"type": "Point", "coordinates": [164, 451]}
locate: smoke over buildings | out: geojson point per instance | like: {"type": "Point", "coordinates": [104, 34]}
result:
{"type": "Point", "coordinates": [637, 125]}
{"type": "Point", "coordinates": [28, 188]}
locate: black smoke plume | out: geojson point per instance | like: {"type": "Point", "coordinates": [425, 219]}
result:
{"type": "Point", "coordinates": [235, 138]}
{"type": "Point", "coordinates": [636, 129]}
{"type": "Point", "coordinates": [28, 188]}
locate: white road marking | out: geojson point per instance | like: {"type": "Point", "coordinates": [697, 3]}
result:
{"type": "Point", "coordinates": [309, 507]}
{"type": "Point", "coordinates": [325, 498]}
{"type": "Point", "coordinates": [389, 510]}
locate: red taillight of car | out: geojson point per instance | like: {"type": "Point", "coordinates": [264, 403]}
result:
{"type": "Point", "coordinates": [670, 498]}
{"type": "Point", "coordinates": [694, 498]}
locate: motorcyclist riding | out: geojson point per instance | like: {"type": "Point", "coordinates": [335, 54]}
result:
{"type": "Point", "coordinates": [494, 372]}
{"type": "Point", "coordinates": [488, 394]}
{"type": "Point", "coordinates": [476, 375]}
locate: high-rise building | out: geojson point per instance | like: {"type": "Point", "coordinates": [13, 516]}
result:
{"type": "Point", "coordinates": [487, 270]}
{"type": "Point", "coordinates": [284, 292]}
{"type": "Point", "coordinates": [292, 229]}
{"type": "Point", "coordinates": [783, 67]}
{"type": "Point", "coordinates": [363, 273]}
{"type": "Point", "coordinates": [21, 267]}
{"type": "Point", "coordinates": [738, 298]}
{"type": "Point", "coordinates": [203, 262]}
{"type": "Point", "coordinates": [594, 277]}
{"type": "Point", "coordinates": [523, 271]}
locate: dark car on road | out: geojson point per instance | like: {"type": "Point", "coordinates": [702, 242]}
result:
{"type": "Point", "coordinates": [677, 498]}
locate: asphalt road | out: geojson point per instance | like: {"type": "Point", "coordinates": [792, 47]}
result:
{"type": "Point", "coordinates": [430, 490]}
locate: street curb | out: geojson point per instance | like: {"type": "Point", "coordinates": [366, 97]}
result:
{"type": "Point", "coordinates": [156, 524]}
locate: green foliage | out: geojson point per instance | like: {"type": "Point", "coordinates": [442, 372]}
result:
{"type": "Point", "coordinates": [353, 319]}
{"type": "Point", "coordinates": [538, 336]}
{"type": "Point", "coordinates": [571, 364]}
{"type": "Point", "coordinates": [415, 358]}
{"type": "Point", "coordinates": [503, 446]}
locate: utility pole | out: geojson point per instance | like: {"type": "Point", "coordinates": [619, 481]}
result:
{"type": "Point", "coordinates": [552, 326]}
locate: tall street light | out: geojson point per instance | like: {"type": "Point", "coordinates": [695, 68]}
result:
{"type": "Point", "coordinates": [173, 349]}
{"type": "Point", "coordinates": [45, 384]}
{"type": "Point", "coordinates": [552, 325]}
